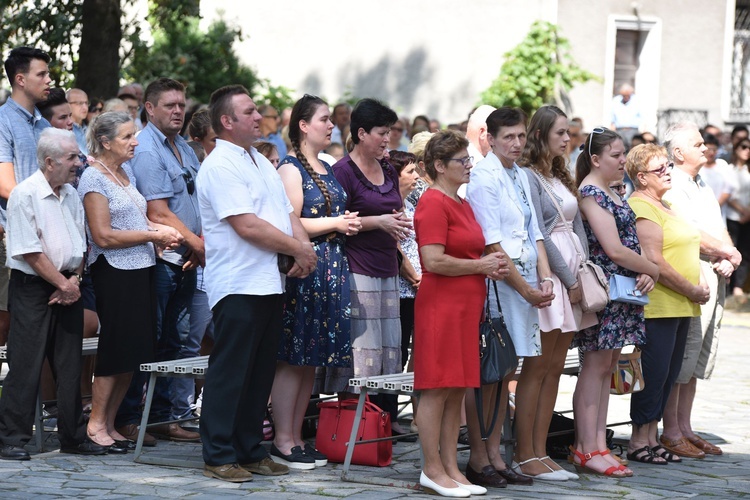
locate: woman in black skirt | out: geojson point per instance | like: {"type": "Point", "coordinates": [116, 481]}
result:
{"type": "Point", "coordinates": [121, 258]}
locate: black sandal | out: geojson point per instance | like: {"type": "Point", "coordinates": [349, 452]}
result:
{"type": "Point", "coordinates": [665, 454]}
{"type": "Point", "coordinates": [646, 455]}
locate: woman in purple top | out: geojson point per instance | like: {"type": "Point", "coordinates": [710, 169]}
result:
{"type": "Point", "coordinates": [372, 189]}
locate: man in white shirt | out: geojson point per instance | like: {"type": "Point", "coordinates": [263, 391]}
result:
{"type": "Point", "coordinates": [693, 200]}
{"type": "Point", "coordinates": [45, 254]}
{"type": "Point", "coordinates": [626, 113]}
{"type": "Point", "coordinates": [247, 222]}
{"type": "Point", "coordinates": [476, 133]}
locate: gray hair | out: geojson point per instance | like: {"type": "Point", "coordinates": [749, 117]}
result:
{"type": "Point", "coordinates": [675, 135]}
{"type": "Point", "coordinates": [104, 128]}
{"type": "Point", "coordinates": [50, 144]}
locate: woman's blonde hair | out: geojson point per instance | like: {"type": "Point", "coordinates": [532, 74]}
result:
{"type": "Point", "coordinates": [638, 159]}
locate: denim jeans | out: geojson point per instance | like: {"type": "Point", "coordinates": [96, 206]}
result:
{"type": "Point", "coordinates": [174, 295]}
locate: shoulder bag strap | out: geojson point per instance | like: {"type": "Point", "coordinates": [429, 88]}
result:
{"type": "Point", "coordinates": [551, 194]}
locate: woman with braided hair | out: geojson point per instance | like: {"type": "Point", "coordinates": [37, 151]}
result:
{"type": "Point", "coordinates": [316, 314]}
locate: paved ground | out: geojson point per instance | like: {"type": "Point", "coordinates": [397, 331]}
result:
{"type": "Point", "coordinates": [722, 411]}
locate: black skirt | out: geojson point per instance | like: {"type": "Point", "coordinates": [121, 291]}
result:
{"type": "Point", "coordinates": [126, 304]}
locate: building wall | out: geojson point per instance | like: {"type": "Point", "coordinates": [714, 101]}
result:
{"type": "Point", "coordinates": [429, 57]}
{"type": "Point", "coordinates": [435, 57]}
{"type": "Point", "coordinates": [689, 52]}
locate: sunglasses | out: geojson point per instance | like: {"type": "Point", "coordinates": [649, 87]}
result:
{"type": "Point", "coordinates": [618, 187]}
{"type": "Point", "coordinates": [597, 130]}
{"type": "Point", "coordinates": [659, 172]}
{"type": "Point", "coordinates": [189, 180]}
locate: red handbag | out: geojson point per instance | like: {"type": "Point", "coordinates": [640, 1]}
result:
{"type": "Point", "coordinates": [335, 429]}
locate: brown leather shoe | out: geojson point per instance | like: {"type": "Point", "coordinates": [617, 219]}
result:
{"type": "Point", "coordinates": [488, 477]}
{"type": "Point", "coordinates": [682, 447]}
{"type": "Point", "coordinates": [227, 472]}
{"type": "Point", "coordinates": [174, 432]}
{"type": "Point", "coordinates": [130, 432]}
{"type": "Point", "coordinates": [515, 478]}
{"type": "Point", "coordinates": [705, 446]}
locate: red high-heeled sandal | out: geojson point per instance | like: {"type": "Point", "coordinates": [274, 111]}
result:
{"type": "Point", "coordinates": [585, 457]}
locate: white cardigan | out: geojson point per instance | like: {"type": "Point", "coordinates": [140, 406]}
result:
{"type": "Point", "coordinates": [497, 208]}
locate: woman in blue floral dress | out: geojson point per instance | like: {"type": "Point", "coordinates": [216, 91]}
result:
{"type": "Point", "coordinates": [316, 314]}
{"type": "Point", "coordinates": [613, 245]}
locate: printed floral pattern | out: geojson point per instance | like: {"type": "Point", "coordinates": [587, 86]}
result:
{"type": "Point", "coordinates": [620, 324]}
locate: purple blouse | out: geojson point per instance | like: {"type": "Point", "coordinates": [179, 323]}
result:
{"type": "Point", "coordinates": [372, 253]}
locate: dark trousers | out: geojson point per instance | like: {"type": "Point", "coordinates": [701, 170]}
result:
{"type": "Point", "coordinates": [407, 329]}
{"type": "Point", "coordinates": [239, 378]}
{"type": "Point", "coordinates": [38, 330]}
{"type": "Point", "coordinates": [661, 360]}
{"type": "Point", "coordinates": [174, 295]}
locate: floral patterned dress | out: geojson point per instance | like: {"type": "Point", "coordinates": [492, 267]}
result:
{"type": "Point", "coordinates": [317, 308]}
{"type": "Point", "coordinates": [620, 324]}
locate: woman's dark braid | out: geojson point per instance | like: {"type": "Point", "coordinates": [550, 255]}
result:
{"type": "Point", "coordinates": [315, 176]}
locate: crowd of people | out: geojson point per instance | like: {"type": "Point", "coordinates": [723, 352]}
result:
{"type": "Point", "coordinates": [305, 247]}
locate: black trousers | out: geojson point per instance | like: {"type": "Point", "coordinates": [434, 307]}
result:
{"type": "Point", "coordinates": [38, 330]}
{"type": "Point", "coordinates": [239, 378]}
{"type": "Point", "coordinates": [661, 360]}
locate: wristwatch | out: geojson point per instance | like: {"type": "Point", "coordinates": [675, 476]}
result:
{"type": "Point", "coordinates": [78, 277]}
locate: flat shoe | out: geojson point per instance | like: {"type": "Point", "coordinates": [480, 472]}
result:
{"type": "Point", "coordinates": [681, 447]}
{"type": "Point", "coordinates": [646, 455]}
{"type": "Point", "coordinates": [552, 475]}
{"type": "Point", "coordinates": [488, 476]}
{"type": "Point", "coordinates": [562, 471]}
{"type": "Point", "coordinates": [705, 446]}
{"type": "Point", "coordinates": [474, 489]}
{"type": "Point", "coordinates": [432, 487]}
{"type": "Point", "coordinates": [125, 443]}
{"type": "Point", "coordinates": [511, 477]}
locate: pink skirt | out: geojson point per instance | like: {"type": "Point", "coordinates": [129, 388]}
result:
{"type": "Point", "coordinates": [562, 315]}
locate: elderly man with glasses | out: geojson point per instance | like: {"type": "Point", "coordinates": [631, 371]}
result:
{"type": "Point", "coordinates": [694, 200]}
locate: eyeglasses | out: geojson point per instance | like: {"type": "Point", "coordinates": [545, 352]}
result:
{"type": "Point", "coordinates": [397, 129]}
{"type": "Point", "coordinates": [659, 172]}
{"type": "Point", "coordinates": [189, 181]}
{"type": "Point", "coordinates": [744, 146]}
{"type": "Point", "coordinates": [465, 161]}
{"type": "Point", "coordinates": [79, 103]}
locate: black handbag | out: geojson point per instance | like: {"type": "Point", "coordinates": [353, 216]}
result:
{"type": "Point", "coordinates": [497, 357]}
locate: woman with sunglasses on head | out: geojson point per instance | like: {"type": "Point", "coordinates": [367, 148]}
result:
{"type": "Point", "coordinates": [316, 313]}
{"type": "Point", "coordinates": [613, 244]}
{"type": "Point", "coordinates": [553, 190]}
{"type": "Point", "coordinates": [738, 213]}
{"type": "Point", "coordinates": [674, 245]}
{"type": "Point", "coordinates": [500, 194]}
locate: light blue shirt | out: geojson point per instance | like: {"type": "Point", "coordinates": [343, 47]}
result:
{"type": "Point", "coordinates": [19, 133]}
{"type": "Point", "coordinates": [161, 176]}
{"type": "Point", "coordinates": [277, 141]}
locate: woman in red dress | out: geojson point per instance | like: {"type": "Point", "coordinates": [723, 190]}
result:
{"type": "Point", "coordinates": [448, 308]}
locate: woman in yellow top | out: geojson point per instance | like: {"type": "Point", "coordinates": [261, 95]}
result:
{"type": "Point", "coordinates": [674, 245]}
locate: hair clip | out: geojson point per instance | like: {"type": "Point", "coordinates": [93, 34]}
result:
{"type": "Point", "coordinates": [582, 146]}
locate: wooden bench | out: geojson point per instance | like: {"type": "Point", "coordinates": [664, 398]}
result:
{"type": "Point", "coordinates": [181, 368]}
{"type": "Point", "coordinates": [89, 348]}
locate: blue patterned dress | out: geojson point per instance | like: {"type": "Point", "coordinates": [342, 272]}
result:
{"type": "Point", "coordinates": [316, 311]}
{"type": "Point", "coordinates": [620, 324]}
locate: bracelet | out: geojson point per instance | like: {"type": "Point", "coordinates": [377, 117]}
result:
{"type": "Point", "coordinates": [547, 279]}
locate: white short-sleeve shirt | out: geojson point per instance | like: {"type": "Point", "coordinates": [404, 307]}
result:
{"type": "Point", "coordinates": [231, 182]}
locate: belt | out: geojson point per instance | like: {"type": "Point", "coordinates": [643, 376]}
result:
{"type": "Point", "coordinates": [33, 278]}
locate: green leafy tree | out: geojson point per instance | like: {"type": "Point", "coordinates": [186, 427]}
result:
{"type": "Point", "coordinates": [203, 61]}
{"type": "Point", "coordinates": [536, 71]}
